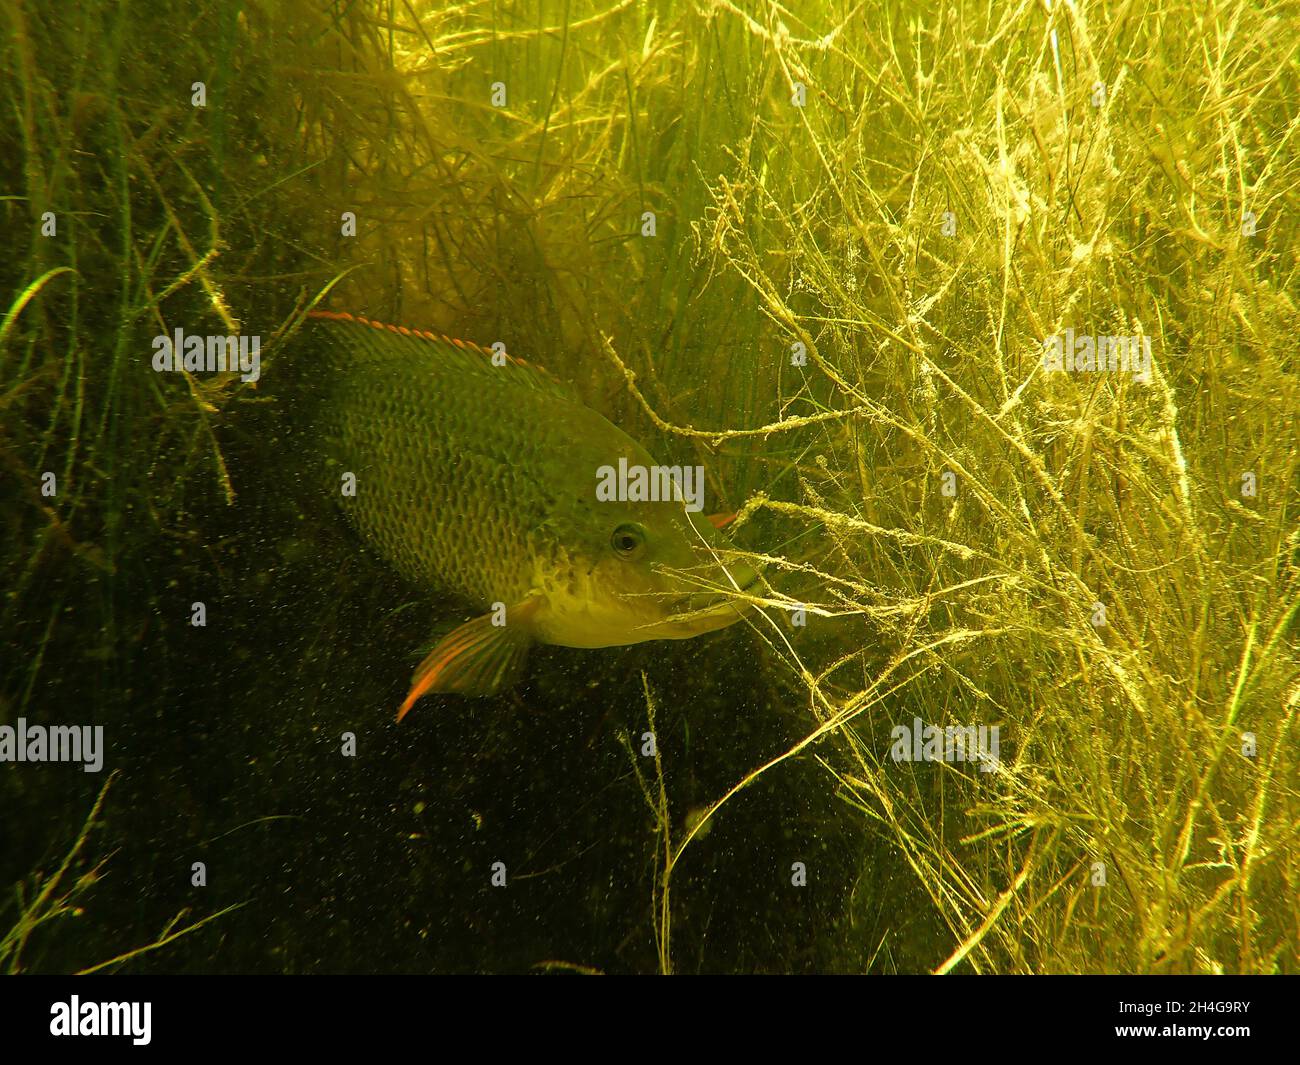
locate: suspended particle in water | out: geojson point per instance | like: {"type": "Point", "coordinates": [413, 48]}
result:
{"type": "Point", "coordinates": [696, 825]}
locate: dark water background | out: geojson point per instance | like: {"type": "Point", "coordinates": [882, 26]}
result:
{"type": "Point", "coordinates": [224, 741]}
{"type": "Point", "coordinates": [962, 511]}
{"type": "Point", "coordinates": [225, 744]}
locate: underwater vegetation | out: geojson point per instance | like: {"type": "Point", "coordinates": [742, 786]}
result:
{"type": "Point", "coordinates": [982, 320]}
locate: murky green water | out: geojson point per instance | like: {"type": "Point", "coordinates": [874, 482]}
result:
{"type": "Point", "coordinates": [818, 254]}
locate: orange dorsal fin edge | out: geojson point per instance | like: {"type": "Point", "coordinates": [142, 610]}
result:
{"type": "Point", "coordinates": [422, 334]}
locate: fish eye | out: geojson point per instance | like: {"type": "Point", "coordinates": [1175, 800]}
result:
{"type": "Point", "coordinates": [628, 541]}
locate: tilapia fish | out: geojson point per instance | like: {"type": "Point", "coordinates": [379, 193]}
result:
{"type": "Point", "coordinates": [477, 477]}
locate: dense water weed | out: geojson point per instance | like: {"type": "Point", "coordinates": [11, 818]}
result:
{"type": "Point", "coordinates": [981, 320]}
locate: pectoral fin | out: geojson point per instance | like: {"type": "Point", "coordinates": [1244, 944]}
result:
{"type": "Point", "coordinates": [477, 658]}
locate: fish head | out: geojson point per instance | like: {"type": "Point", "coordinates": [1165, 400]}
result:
{"type": "Point", "coordinates": [642, 571]}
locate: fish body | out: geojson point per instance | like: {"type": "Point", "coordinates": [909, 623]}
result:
{"type": "Point", "coordinates": [477, 476]}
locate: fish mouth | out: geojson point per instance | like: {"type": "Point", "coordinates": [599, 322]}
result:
{"type": "Point", "coordinates": [705, 611]}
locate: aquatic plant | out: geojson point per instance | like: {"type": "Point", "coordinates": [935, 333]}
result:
{"type": "Point", "coordinates": [825, 253]}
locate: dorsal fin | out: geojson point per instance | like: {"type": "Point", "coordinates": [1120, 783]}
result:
{"type": "Point", "coordinates": [385, 341]}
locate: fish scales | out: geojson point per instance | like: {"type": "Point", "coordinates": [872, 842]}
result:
{"type": "Point", "coordinates": [460, 463]}
{"type": "Point", "coordinates": [480, 479]}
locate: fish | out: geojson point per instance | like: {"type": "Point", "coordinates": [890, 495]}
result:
{"type": "Point", "coordinates": [474, 475]}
